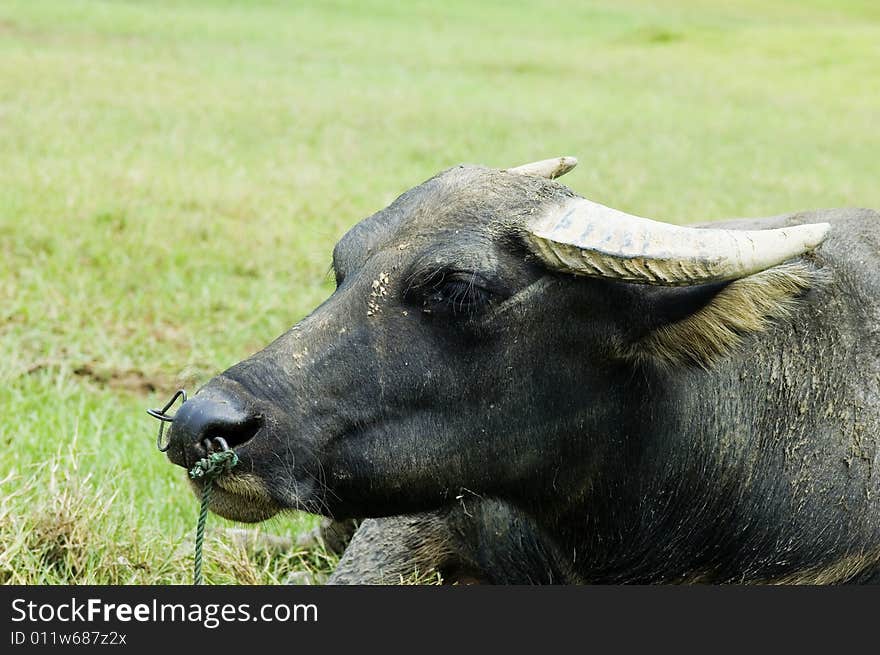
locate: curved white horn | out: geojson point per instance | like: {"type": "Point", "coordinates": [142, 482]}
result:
{"type": "Point", "coordinates": [586, 238]}
{"type": "Point", "coordinates": [549, 168]}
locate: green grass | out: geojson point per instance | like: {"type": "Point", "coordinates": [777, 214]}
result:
{"type": "Point", "coordinates": [173, 176]}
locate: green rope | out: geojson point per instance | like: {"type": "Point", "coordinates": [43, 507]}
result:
{"type": "Point", "coordinates": [208, 468]}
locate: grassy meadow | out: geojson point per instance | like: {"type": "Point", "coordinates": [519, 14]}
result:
{"type": "Point", "coordinates": [174, 174]}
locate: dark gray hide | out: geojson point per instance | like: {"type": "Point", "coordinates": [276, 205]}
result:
{"type": "Point", "coordinates": [560, 428]}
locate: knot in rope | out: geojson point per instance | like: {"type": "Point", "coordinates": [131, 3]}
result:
{"type": "Point", "coordinates": [214, 465]}
{"type": "Point", "coordinates": [208, 469]}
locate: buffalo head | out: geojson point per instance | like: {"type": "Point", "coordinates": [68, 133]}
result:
{"type": "Point", "coordinates": [483, 338]}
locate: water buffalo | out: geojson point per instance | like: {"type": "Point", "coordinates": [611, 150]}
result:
{"type": "Point", "coordinates": [532, 387]}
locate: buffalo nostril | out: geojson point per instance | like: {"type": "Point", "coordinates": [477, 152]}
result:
{"type": "Point", "coordinates": [210, 414]}
{"type": "Point", "coordinates": [235, 434]}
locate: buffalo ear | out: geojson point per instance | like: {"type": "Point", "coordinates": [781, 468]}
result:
{"type": "Point", "coordinates": [698, 325]}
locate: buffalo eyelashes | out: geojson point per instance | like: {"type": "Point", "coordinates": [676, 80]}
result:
{"type": "Point", "coordinates": [454, 294]}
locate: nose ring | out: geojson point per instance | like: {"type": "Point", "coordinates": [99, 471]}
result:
{"type": "Point", "coordinates": [164, 418]}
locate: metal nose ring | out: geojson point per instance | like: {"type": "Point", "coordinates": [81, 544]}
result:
{"type": "Point", "coordinates": [211, 442]}
{"type": "Point", "coordinates": [164, 418]}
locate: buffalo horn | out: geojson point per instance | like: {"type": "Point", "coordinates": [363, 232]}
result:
{"type": "Point", "coordinates": [586, 238]}
{"type": "Point", "coordinates": [549, 168]}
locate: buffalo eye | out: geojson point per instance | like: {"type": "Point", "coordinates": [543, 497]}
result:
{"type": "Point", "coordinates": [452, 293]}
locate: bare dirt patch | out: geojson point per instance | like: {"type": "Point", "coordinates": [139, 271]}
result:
{"type": "Point", "coordinates": [132, 380]}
